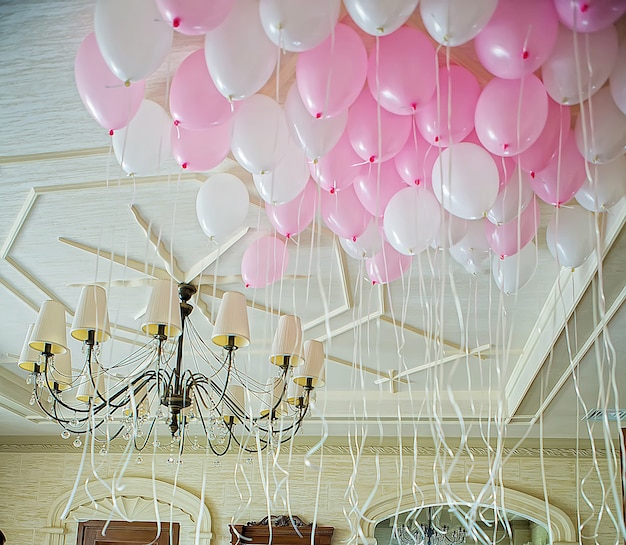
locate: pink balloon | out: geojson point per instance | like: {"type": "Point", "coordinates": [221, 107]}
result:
{"type": "Point", "coordinates": [106, 98]}
{"type": "Point", "coordinates": [510, 114]}
{"type": "Point", "coordinates": [563, 176]}
{"type": "Point", "coordinates": [414, 162]}
{"type": "Point", "coordinates": [195, 102]}
{"type": "Point", "coordinates": [198, 151]}
{"type": "Point", "coordinates": [505, 165]}
{"type": "Point", "coordinates": [589, 15]}
{"type": "Point", "coordinates": [401, 73]}
{"type": "Point", "coordinates": [510, 237]}
{"type": "Point", "coordinates": [536, 157]}
{"type": "Point", "coordinates": [375, 133]}
{"type": "Point", "coordinates": [337, 169]}
{"type": "Point", "coordinates": [344, 214]}
{"type": "Point", "coordinates": [194, 17]}
{"type": "Point", "coordinates": [376, 185]}
{"type": "Point", "coordinates": [449, 118]}
{"type": "Point", "coordinates": [387, 265]}
{"type": "Point", "coordinates": [293, 217]}
{"type": "Point", "coordinates": [331, 76]}
{"type": "Point", "coordinates": [518, 38]}
{"type": "Point", "coordinates": [264, 262]}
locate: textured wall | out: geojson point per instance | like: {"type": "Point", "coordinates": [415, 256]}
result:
{"type": "Point", "coordinates": [31, 478]}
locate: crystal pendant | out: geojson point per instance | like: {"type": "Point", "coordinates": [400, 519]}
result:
{"type": "Point", "coordinates": [65, 434]}
{"type": "Point", "coordinates": [77, 442]}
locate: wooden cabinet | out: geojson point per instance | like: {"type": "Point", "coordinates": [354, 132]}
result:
{"type": "Point", "coordinates": [125, 533]}
{"type": "Point", "coordinates": [282, 534]}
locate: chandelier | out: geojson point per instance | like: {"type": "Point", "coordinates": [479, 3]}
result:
{"type": "Point", "coordinates": [431, 533]}
{"type": "Point", "coordinates": [174, 379]}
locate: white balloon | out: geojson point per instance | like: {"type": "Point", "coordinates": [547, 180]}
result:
{"type": "Point", "coordinates": [367, 245]}
{"type": "Point", "coordinates": [465, 180]}
{"type": "Point", "coordinates": [472, 251]}
{"type": "Point", "coordinates": [455, 22]}
{"type": "Point", "coordinates": [299, 25]}
{"type": "Point", "coordinates": [606, 186]}
{"type": "Point", "coordinates": [604, 136]}
{"type": "Point", "coordinates": [617, 80]}
{"type": "Point", "coordinates": [287, 180]}
{"type": "Point", "coordinates": [512, 199]}
{"type": "Point", "coordinates": [380, 18]}
{"type": "Point", "coordinates": [239, 55]}
{"type": "Point", "coordinates": [222, 205]}
{"type": "Point", "coordinates": [144, 143]}
{"type": "Point", "coordinates": [316, 136]}
{"type": "Point", "coordinates": [132, 37]}
{"type": "Point", "coordinates": [571, 236]}
{"type": "Point", "coordinates": [412, 220]}
{"type": "Point", "coordinates": [451, 231]}
{"type": "Point", "coordinates": [512, 273]}
{"type": "Point", "coordinates": [260, 134]}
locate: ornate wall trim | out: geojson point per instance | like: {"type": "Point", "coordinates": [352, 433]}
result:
{"type": "Point", "coordinates": [133, 503]}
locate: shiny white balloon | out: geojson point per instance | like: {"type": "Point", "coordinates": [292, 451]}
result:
{"type": "Point", "coordinates": [132, 37]}
{"type": "Point", "coordinates": [617, 80]}
{"type": "Point", "coordinates": [367, 244]}
{"type": "Point", "coordinates": [380, 18]}
{"type": "Point", "coordinates": [606, 186]}
{"type": "Point", "coordinates": [571, 236]}
{"type": "Point", "coordinates": [144, 144]}
{"type": "Point", "coordinates": [472, 251]}
{"type": "Point", "coordinates": [512, 199]}
{"type": "Point", "coordinates": [222, 205]}
{"type": "Point", "coordinates": [455, 22]}
{"type": "Point", "coordinates": [512, 273]}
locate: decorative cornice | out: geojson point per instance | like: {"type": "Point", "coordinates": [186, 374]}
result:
{"type": "Point", "coordinates": [330, 450]}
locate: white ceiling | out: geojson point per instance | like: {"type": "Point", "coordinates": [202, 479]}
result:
{"type": "Point", "coordinates": [59, 178]}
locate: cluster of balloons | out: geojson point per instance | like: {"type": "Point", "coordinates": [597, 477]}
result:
{"type": "Point", "coordinates": [395, 151]}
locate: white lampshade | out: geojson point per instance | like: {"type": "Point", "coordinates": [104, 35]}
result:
{"type": "Point", "coordinates": [295, 394]}
{"type": "Point", "coordinates": [86, 391]}
{"type": "Point", "coordinates": [60, 372]}
{"type": "Point", "coordinates": [91, 315]}
{"type": "Point", "coordinates": [29, 357]}
{"type": "Point", "coordinates": [163, 310]}
{"type": "Point", "coordinates": [287, 344]}
{"type": "Point", "coordinates": [237, 395]}
{"type": "Point", "coordinates": [275, 387]}
{"type": "Point", "coordinates": [231, 325]}
{"type": "Point", "coordinates": [49, 334]}
{"type": "Point", "coordinates": [313, 372]}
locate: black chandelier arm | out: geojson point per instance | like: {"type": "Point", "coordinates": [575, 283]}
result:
{"type": "Point", "coordinates": [148, 436]}
{"type": "Point", "coordinates": [226, 447]}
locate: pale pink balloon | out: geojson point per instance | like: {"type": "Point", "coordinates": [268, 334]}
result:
{"type": "Point", "coordinates": [106, 98]}
{"type": "Point", "coordinates": [343, 213]}
{"type": "Point", "coordinates": [504, 164]}
{"type": "Point", "coordinates": [589, 15]}
{"type": "Point", "coordinates": [195, 102]}
{"type": "Point", "coordinates": [293, 217]}
{"type": "Point", "coordinates": [510, 114]}
{"type": "Point", "coordinates": [563, 176]}
{"type": "Point", "coordinates": [376, 134]}
{"type": "Point", "coordinates": [194, 17]}
{"type": "Point", "coordinates": [331, 76]}
{"type": "Point", "coordinates": [449, 118]}
{"type": "Point", "coordinates": [401, 72]}
{"type": "Point", "coordinates": [510, 237]}
{"type": "Point", "coordinates": [518, 38]}
{"type": "Point", "coordinates": [558, 122]}
{"type": "Point", "coordinates": [198, 151]}
{"type": "Point", "coordinates": [264, 262]}
{"type": "Point", "coordinates": [387, 265]}
{"type": "Point", "coordinates": [376, 185]}
{"type": "Point", "coordinates": [337, 169]}
{"type": "Point", "coordinates": [414, 162]}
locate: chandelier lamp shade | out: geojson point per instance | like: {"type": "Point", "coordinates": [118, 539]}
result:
{"type": "Point", "coordinates": [175, 379]}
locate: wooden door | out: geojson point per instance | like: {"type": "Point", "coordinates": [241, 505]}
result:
{"type": "Point", "coordinates": [126, 533]}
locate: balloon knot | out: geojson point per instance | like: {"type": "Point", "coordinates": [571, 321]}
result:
{"type": "Point", "coordinates": [532, 174]}
{"type": "Point", "coordinates": [288, 235]}
{"type": "Point", "coordinates": [247, 285]}
{"type": "Point", "coordinates": [373, 282]}
{"type": "Point", "coordinates": [380, 29]}
{"type": "Point", "coordinates": [127, 83]}
{"type": "Point", "coordinates": [436, 139]}
{"type": "Point", "coordinates": [315, 161]}
{"type": "Point", "coordinates": [525, 54]}
{"type": "Point", "coordinates": [584, 7]}
{"type": "Point", "coordinates": [372, 158]}
{"type": "Point", "coordinates": [111, 132]}
{"type": "Point", "coordinates": [505, 147]}
{"type": "Point", "coordinates": [318, 115]}
{"type": "Point", "coordinates": [332, 190]}
{"type": "Point", "coordinates": [501, 257]}
{"type": "Point", "coordinates": [413, 106]}
{"type": "Point", "coordinates": [176, 22]}
{"type": "Point", "coordinates": [559, 204]}
{"type": "Point", "coordinates": [353, 239]}
{"type": "Point", "coordinates": [176, 122]}
{"type": "Point", "coordinates": [418, 182]}
{"type": "Point", "coordinates": [184, 165]}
